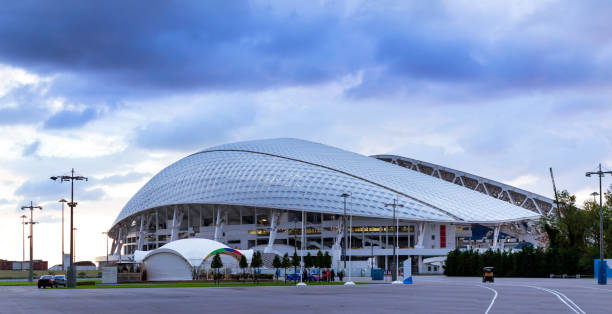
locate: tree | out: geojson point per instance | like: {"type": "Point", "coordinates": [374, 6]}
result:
{"type": "Point", "coordinates": [256, 262]}
{"type": "Point", "coordinates": [308, 262]}
{"type": "Point", "coordinates": [286, 263]}
{"type": "Point", "coordinates": [276, 263]}
{"type": "Point", "coordinates": [295, 261]}
{"type": "Point", "coordinates": [328, 260]}
{"type": "Point", "coordinates": [243, 264]}
{"type": "Point", "coordinates": [216, 264]}
{"type": "Point", "coordinates": [319, 262]}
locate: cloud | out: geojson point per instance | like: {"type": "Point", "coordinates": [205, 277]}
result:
{"type": "Point", "coordinates": [51, 191]}
{"type": "Point", "coordinates": [31, 149]}
{"type": "Point", "coordinates": [196, 130]}
{"type": "Point", "coordinates": [5, 201]}
{"type": "Point", "coordinates": [24, 104]}
{"type": "Point", "coordinates": [71, 118]}
{"type": "Point", "coordinates": [121, 178]}
{"type": "Point", "coordinates": [445, 50]}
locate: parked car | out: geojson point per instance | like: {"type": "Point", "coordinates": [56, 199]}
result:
{"type": "Point", "coordinates": [296, 277]}
{"type": "Point", "coordinates": [45, 281]}
{"type": "Point", "coordinates": [59, 280]}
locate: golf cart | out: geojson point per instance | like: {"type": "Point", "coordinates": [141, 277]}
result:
{"type": "Point", "coordinates": [487, 274]}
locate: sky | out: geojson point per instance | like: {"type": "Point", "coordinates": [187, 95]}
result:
{"type": "Point", "coordinates": [118, 90]}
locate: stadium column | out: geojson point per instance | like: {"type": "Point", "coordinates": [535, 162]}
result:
{"type": "Point", "coordinates": [141, 232]}
{"type": "Point", "coordinates": [120, 241]}
{"type": "Point", "coordinates": [495, 236]}
{"type": "Point", "coordinates": [274, 216]}
{"type": "Point", "coordinates": [175, 224]}
{"type": "Point", "coordinates": [336, 248]}
{"type": "Point", "coordinates": [420, 235]}
{"type": "Point", "coordinates": [218, 226]}
{"type": "Point", "coordinates": [156, 227]}
{"type": "Point", "coordinates": [113, 247]}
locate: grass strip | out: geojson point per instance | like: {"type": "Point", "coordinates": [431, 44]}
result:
{"type": "Point", "coordinates": [194, 285]}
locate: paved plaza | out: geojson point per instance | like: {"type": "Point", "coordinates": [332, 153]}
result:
{"type": "Point", "coordinates": [428, 295]}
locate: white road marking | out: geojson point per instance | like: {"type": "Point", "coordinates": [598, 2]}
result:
{"type": "Point", "coordinates": [563, 299]}
{"type": "Point", "coordinates": [492, 301]}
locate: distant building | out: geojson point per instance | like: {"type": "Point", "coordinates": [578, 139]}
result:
{"type": "Point", "coordinates": [85, 265]}
{"type": "Point", "coordinates": [19, 265]}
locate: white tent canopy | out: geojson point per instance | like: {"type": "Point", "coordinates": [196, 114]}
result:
{"type": "Point", "coordinates": [178, 260]}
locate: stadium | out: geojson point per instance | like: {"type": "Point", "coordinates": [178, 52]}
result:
{"type": "Point", "coordinates": [252, 196]}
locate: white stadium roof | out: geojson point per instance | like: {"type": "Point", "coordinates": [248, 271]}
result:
{"type": "Point", "coordinates": [294, 174]}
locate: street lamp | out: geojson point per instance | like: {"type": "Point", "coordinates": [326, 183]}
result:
{"type": "Point", "coordinates": [63, 201]}
{"type": "Point", "coordinates": [344, 196]}
{"type": "Point", "coordinates": [106, 233]}
{"type": "Point", "coordinates": [602, 276]}
{"type": "Point", "coordinates": [71, 271]}
{"type": "Point", "coordinates": [350, 243]}
{"type": "Point", "coordinates": [31, 223]}
{"type": "Point", "coordinates": [301, 283]}
{"type": "Point", "coordinates": [395, 257]}
{"type": "Point", "coordinates": [23, 223]}
{"type": "Point", "coordinates": [74, 239]}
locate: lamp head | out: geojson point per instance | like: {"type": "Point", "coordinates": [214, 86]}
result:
{"type": "Point", "coordinates": [345, 195]}
{"type": "Point", "coordinates": [63, 201]}
{"type": "Point", "coordinates": [53, 178]}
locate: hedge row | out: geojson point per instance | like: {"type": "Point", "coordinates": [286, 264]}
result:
{"type": "Point", "coordinates": [529, 262]}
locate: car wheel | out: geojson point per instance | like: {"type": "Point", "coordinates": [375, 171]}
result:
{"type": "Point", "coordinates": [38, 286]}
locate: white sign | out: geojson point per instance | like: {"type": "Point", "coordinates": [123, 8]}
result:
{"type": "Point", "coordinates": [109, 274]}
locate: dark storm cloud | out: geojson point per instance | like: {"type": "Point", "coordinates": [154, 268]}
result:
{"type": "Point", "coordinates": [113, 50]}
{"type": "Point", "coordinates": [169, 45]}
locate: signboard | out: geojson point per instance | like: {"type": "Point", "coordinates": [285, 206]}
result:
{"type": "Point", "coordinates": [109, 274]}
{"type": "Point", "coordinates": [408, 271]}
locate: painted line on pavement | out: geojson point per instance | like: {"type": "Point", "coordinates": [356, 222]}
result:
{"type": "Point", "coordinates": [492, 301]}
{"type": "Point", "coordinates": [573, 306]}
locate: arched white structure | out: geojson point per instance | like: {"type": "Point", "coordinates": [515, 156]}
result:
{"type": "Point", "coordinates": [178, 260]}
{"type": "Point", "coordinates": [250, 195]}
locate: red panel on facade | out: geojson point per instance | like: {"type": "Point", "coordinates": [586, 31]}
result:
{"type": "Point", "coordinates": [443, 236]}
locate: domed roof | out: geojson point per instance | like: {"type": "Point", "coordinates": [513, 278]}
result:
{"type": "Point", "coordinates": [195, 250]}
{"type": "Point", "coordinates": [296, 174]}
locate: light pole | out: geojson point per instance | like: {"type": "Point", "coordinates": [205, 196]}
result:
{"type": "Point", "coordinates": [63, 201]}
{"type": "Point", "coordinates": [74, 240]}
{"type": "Point", "coordinates": [301, 283]}
{"type": "Point", "coordinates": [395, 257]}
{"type": "Point", "coordinates": [602, 276]}
{"type": "Point", "coordinates": [106, 233]}
{"type": "Point", "coordinates": [71, 271]}
{"type": "Point", "coordinates": [350, 244]}
{"type": "Point", "coordinates": [23, 223]}
{"type": "Point", "coordinates": [344, 196]}
{"type": "Point", "coordinates": [31, 223]}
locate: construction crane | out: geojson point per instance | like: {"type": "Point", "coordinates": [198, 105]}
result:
{"type": "Point", "coordinates": [556, 195]}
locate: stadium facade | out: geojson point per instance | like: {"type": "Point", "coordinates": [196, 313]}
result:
{"type": "Point", "coordinates": [251, 195]}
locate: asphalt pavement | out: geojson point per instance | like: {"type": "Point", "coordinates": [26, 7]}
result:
{"type": "Point", "coordinates": [427, 295]}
